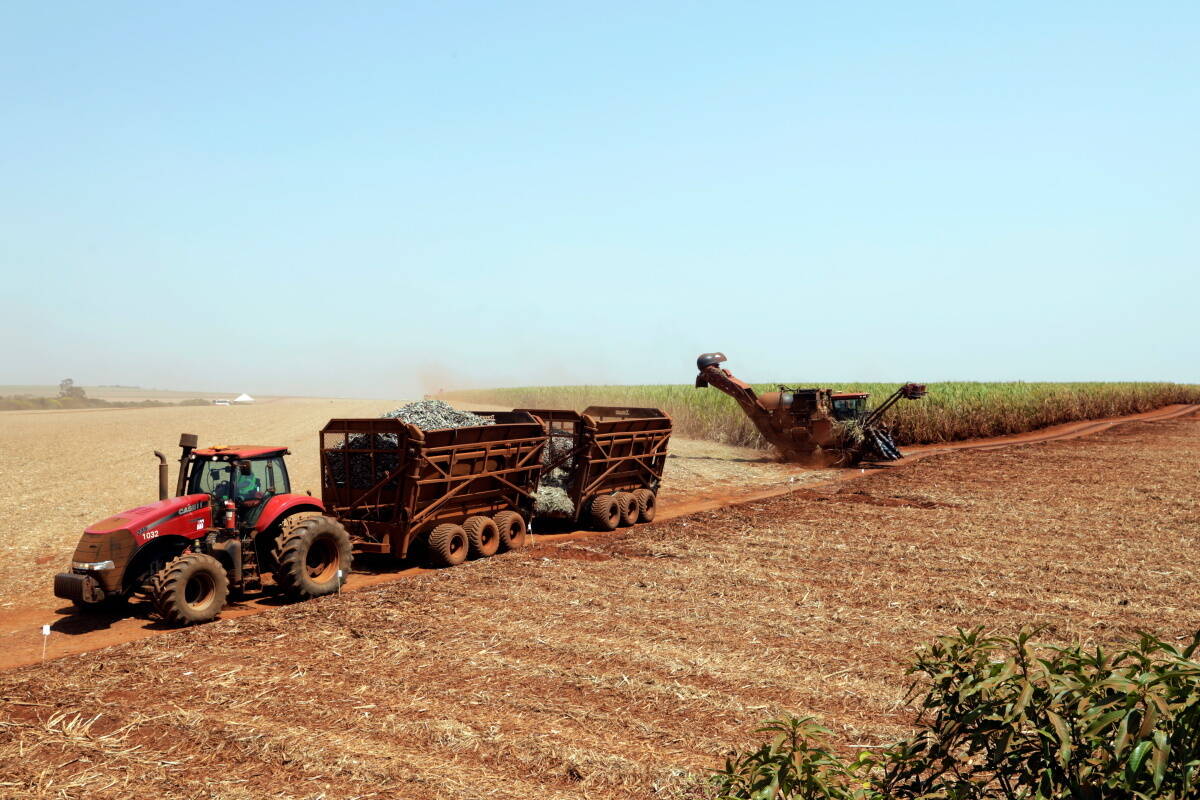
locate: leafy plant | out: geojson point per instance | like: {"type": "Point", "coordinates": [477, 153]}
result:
{"type": "Point", "coordinates": [796, 763]}
{"type": "Point", "coordinates": [1002, 718]}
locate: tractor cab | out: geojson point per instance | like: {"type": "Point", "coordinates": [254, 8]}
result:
{"type": "Point", "coordinates": [849, 405]}
{"type": "Point", "coordinates": [247, 475]}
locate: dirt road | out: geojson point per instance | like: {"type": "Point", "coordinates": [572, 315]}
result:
{"type": "Point", "coordinates": [700, 477]}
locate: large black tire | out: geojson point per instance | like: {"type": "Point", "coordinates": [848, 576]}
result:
{"type": "Point", "coordinates": [190, 590]}
{"type": "Point", "coordinates": [647, 505]}
{"type": "Point", "coordinates": [483, 537]}
{"type": "Point", "coordinates": [605, 512]}
{"type": "Point", "coordinates": [629, 508]}
{"type": "Point", "coordinates": [511, 526]}
{"type": "Point", "coordinates": [309, 556]}
{"type": "Point", "coordinates": [447, 545]}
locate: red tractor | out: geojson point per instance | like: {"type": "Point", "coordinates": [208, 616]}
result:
{"type": "Point", "coordinates": [233, 519]}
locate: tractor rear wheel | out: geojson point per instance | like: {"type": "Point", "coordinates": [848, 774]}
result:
{"type": "Point", "coordinates": [189, 590]}
{"type": "Point", "coordinates": [448, 545]}
{"type": "Point", "coordinates": [512, 530]}
{"type": "Point", "coordinates": [483, 537]}
{"type": "Point", "coordinates": [647, 504]}
{"type": "Point", "coordinates": [312, 558]}
{"type": "Point", "coordinates": [629, 508]}
{"type": "Point", "coordinates": [606, 512]}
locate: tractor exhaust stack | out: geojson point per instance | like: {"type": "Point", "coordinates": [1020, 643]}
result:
{"type": "Point", "coordinates": [163, 480]}
{"type": "Point", "coordinates": [187, 442]}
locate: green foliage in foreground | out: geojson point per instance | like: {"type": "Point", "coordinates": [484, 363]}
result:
{"type": "Point", "coordinates": [1002, 718]}
{"type": "Point", "coordinates": [951, 411]}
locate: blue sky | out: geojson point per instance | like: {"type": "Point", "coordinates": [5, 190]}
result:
{"type": "Point", "coordinates": [362, 198]}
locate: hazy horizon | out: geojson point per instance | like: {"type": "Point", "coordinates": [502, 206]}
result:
{"type": "Point", "coordinates": [379, 201]}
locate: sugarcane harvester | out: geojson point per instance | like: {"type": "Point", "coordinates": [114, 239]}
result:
{"type": "Point", "coordinates": [801, 422]}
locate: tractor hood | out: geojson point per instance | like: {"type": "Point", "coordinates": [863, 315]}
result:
{"type": "Point", "coordinates": [175, 515]}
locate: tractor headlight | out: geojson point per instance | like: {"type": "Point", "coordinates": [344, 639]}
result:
{"type": "Point", "coordinates": [90, 566]}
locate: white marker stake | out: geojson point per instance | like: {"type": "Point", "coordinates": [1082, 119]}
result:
{"type": "Point", "coordinates": [45, 639]}
{"type": "Point", "coordinates": [340, 574]}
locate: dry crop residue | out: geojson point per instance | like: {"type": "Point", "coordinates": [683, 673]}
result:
{"type": "Point", "coordinates": [522, 677]}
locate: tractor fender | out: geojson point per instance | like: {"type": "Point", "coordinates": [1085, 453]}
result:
{"type": "Point", "coordinates": [285, 505]}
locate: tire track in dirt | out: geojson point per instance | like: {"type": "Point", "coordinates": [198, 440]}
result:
{"type": "Point", "coordinates": [21, 641]}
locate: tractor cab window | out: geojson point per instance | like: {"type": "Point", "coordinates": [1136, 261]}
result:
{"type": "Point", "coordinates": [211, 477]}
{"type": "Point", "coordinates": [270, 475]}
{"type": "Point", "coordinates": [845, 408]}
{"type": "Point", "coordinates": [221, 478]}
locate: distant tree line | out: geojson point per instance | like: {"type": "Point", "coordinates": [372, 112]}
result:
{"type": "Point", "coordinates": [71, 395]}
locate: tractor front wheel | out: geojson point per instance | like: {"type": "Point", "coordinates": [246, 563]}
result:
{"type": "Point", "coordinates": [313, 558]}
{"type": "Point", "coordinates": [190, 590]}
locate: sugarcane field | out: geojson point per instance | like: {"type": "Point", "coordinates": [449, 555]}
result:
{"type": "Point", "coordinates": [364, 432]}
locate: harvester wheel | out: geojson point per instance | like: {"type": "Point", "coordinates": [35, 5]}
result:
{"type": "Point", "coordinates": [647, 504]}
{"type": "Point", "coordinates": [190, 589]}
{"type": "Point", "coordinates": [843, 458]}
{"type": "Point", "coordinates": [629, 508]}
{"type": "Point", "coordinates": [483, 537]}
{"type": "Point", "coordinates": [309, 557]}
{"type": "Point", "coordinates": [606, 512]}
{"type": "Point", "coordinates": [448, 545]}
{"type": "Point", "coordinates": [511, 527]}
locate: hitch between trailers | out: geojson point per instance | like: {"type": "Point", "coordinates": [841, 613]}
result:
{"type": "Point", "coordinates": [82, 588]}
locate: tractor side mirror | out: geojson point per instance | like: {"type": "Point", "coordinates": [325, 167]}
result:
{"type": "Point", "coordinates": [243, 467]}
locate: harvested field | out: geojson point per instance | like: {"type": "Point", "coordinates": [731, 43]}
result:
{"type": "Point", "coordinates": [622, 665]}
{"type": "Point", "coordinates": [125, 394]}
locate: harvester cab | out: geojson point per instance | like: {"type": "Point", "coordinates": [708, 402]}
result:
{"type": "Point", "coordinates": [233, 519]}
{"type": "Point", "coordinates": [799, 422]}
{"type": "Point", "coordinates": [849, 405]}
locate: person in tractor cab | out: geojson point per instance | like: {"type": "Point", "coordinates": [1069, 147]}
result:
{"type": "Point", "coordinates": [246, 485]}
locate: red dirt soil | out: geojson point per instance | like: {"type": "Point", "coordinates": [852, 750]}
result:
{"type": "Point", "coordinates": [626, 664]}
{"type": "Point", "coordinates": [21, 641]}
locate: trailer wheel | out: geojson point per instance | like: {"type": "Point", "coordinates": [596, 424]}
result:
{"type": "Point", "coordinates": [448, 545]}
{"type": "Point", "coordinates": [629, 508]}
{"type": "Point", "coordinates": [512, 530]}
{"type": "Point", "coordinates": [190, 589]}
{"type": "Point", "coordinates": [483, 537]}
{"type": "Point", "coordinates": [606, 512]}
{"type": "Point", "coordinates": [309, 556]}
{"type": "Point", "coordinates": [647, 504]}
